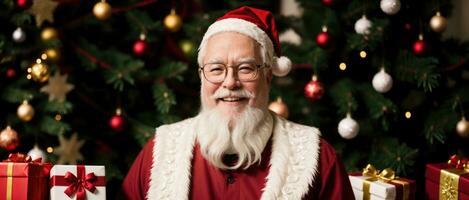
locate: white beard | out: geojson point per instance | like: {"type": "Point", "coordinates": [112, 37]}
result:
{"type": "Point", "coordinates": [247, 139]}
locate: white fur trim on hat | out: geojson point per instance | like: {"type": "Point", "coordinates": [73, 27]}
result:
{"type": "Point", "coordinates": [281, 66]}
{"type": "Point", "coordinates": [252, 30]}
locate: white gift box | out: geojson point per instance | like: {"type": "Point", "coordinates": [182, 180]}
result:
{"type": "Point", "coordinates": [58, 192]}
{"type": "Point", "coordinates": [378, 189]}
{"type": "Point", "coordinates": [359, 195]}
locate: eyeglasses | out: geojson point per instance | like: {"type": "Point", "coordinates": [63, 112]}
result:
{"type": "Point", "coordinates": [216, 72]}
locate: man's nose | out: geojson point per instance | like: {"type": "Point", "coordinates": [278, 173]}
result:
{"type": "Point", "coordinates": [231, 80]}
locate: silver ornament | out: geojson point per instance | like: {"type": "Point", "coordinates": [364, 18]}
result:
{"type": "Point", "coordinates": [36, 153]}
{"type": "Point", "coordinates": [363, 25]}
{"type": "Point", "coordinates": [348, 128]}
{"type": "Point", "coordinates": [19, 35]}
{"type": "Point", "coordinates": [438, 23]}
{"type": "Point", "coordinates": [382, 81]}
{"type": "Point", "coordinates": [390, 7]}
{"type": "Point", "coordinates": [462, 128]}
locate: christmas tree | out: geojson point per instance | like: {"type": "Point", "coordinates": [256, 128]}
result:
{"type": "Point", "coordinates": [88, 82]}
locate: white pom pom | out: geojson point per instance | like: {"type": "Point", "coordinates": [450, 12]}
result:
{"type": "Point", "coordinates": [281, 66]}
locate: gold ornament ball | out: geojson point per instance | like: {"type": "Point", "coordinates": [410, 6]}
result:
{"type": "Point", "coordinates": [9, 139]}
{"type": "Point", "coordinates": [52, 54]}
{"type": "Point", "coordinates": [187, 47]}
{"type": "Point", "coordinates": [279, 107]}
{"type": "Point", "coordinates": [438, 23]}
{"type": "Point", "coordinates": [49, 33]}
{"type": "Point", "coordinates": [173, 22]}
{"type": "Point", "coordinates": [25, 112]}
{"type": "Point", "coordinates": [463, 128]}
{"type": "Point", "coordinates": [102, 10]}
{"type": "Point", "coordinates": [39, 72]}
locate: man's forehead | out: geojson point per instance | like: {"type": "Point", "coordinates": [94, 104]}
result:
{"type": "Point", "coordinates": [238, 60]}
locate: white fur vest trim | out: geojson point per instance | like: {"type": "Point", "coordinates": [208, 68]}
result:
{"type": "Point", "coordinates": [293, 162]}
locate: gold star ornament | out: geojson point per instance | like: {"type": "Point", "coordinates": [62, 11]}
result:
{"type": "Point", "coordinates": [57, 87]}
{"type": "Point", "coordinates": [69, 150]}
{"type": "Point", "coordinates": [43, 10]}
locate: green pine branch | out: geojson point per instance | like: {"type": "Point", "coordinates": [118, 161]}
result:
{"type": "Point", "coordinates": [421, 71]}
{"type": "Point", "coordinates": [388, 152]}
{"type": "Point", "coordinates": [379, 107]}
{"type": "Point", "coordinates": [343, 92]}
{"type": "Point", "coordinates": [51, 126]}
{"type": "Point", "coordinates": [163, 98]}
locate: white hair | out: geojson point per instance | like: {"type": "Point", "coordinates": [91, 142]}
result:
{"type": "Point", "coordinates": [243, 27]}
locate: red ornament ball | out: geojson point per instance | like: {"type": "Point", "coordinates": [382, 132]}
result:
{"type": "Point", "coordinates": [327, 2]}
{"type": "Point", "coordinates": [11, 73]}
{"type": "Point", "coordinates": [140, 47]}
{"type": "Point", "coordinates": [23, 3]}
{"type": "Point", "coordinates": [408, 26]}
{"type": "Point", "coordinates": [324, 39]}
{"type": "Point", "coordinates": [9, 139]}
{"type": "Point", "coordinates": [419, 47]}
{"type": "Point", "coordinates": [314, 90]}
{"type": "Point", "coordinates": [117, 123]}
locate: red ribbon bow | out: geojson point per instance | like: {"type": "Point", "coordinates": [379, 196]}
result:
{"type": "Point", "coordinates": [21, 158]}
{"type": "Point", "coordinates": [78, 184]}
{"type": "Point", "coordinates": [458, 163]}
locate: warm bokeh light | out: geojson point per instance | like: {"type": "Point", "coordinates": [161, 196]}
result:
{"type": "Point", "coordinates": [58, 117]}
{"type": "Point", "coordinates": [342, 66]}
{"type": "Point", "coordinates": [363, 54]}
{"type": "Point", "coordinates": [408, 114]}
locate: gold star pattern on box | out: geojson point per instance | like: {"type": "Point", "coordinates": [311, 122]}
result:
{"type": "Point", "coordinates": [57, 87]}
{"type": "Point", "coordinates": [43, 10]}
{"type": "Point", "coordinates": [69, 150]}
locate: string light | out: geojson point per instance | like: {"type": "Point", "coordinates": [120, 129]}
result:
{"type": "Point", "coordinates": [342, 66]}
{"type": "Point", "coordinates": [58, 117]}
{"type": "Point", "coordinates": [408, 115]}
{"type": "Point", "coordinates": [50, 149]}
{"type": "Point", "coordinates": [363, 54]}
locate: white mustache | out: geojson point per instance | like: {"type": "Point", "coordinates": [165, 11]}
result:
{"type": "Point", "coordinates": [223, 93]}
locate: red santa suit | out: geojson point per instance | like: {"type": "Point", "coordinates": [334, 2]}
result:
{"type": "Point", "coordinates": [296, 164]}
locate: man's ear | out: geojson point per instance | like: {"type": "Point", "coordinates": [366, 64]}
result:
{"type": "Point", "coordinates": [199, 71]}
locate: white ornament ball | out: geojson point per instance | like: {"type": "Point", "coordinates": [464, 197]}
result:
{"type": "Point", "coordinates": [363, 25]}
{"type": "Point", "coordinates": [348, 127]}
{"type": "Point", "coordinates": [382, 81]}
{"type": "Point", "coordinates": [36, 153]}
{"type": "Point", "coordinates": [290, 36]}
{"type": "Point", "coordinates": [19, 35]}
{"type": "Point", "coordinates": [390, 7]}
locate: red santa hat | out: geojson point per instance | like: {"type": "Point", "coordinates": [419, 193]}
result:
{"type": "Point", "coordinates": [257, 24]}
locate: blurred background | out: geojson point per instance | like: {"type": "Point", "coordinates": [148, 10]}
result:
{"type": "Point", "coordinates": [88, 82]}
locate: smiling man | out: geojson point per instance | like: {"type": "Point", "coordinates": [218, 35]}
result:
{"type": "Point", "coordinates": [235, 148]}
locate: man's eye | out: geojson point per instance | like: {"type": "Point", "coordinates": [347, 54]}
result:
{"type": "Point", "coordinates": [215, 69]}
{"type": "Point", "coordinates": [246, 69]}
